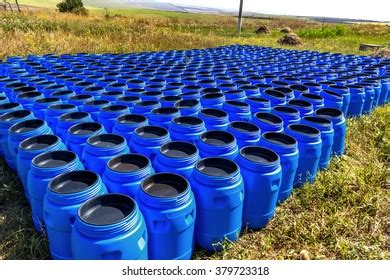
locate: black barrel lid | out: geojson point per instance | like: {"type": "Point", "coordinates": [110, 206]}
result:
{"type": "Point", "coordinates": [165, 185]}
{"type": "Point", "coordinates": [106, 140]}
{"type": "Point", "coordinates": [73, 182]}
{"type": "Point", "coordinates": [219, 167]}
{"type": "Point", "coordinates": [178, 149]}
{"type": "Point", "coordinates": [54, 159]}
{"type": "Point", "coordinates": [128, 163]}
{"type": "Point", "coordinates": [39, 142]}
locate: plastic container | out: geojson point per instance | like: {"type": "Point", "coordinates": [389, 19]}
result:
{"type": "Point", "coordinates": [44, 168]}
{"type": "Point", "coordinates": [70, 119]}
{"type": "Point", "coordinates": [339, 127]}
{"type": "Point", "coordinates": [27, 99]}
{"type": "Point", "coordinates": [289, 115]}
{"type": "Point", "coordinates": [80, 100]}
{"type": "Point", "coordinates": [246, 134]}
{"type": "Point", "coordinates": [55, 111]}
{"type": "Point", "coordinates": [146, 140]}
{"type": "Point", "coordinates": [275, 97]}
{"type": "Point", "coordinates": [332, 99]}
{"type": "Point", "coordinates": [325, 126]}
{"type": "Point", "coordinates": [237, 111]}
{"type": "Point", "coordinates": [268, 122]}
{"type": "Point", "coordinates": [187, 129]}
{"type": "Point", "coordinates": [217, 143]}
{"type": "Point", "coordinates": [9, 107]}
{"type": "Point", "coordinates": [344, 91]}
{"type": "Point", "coordinates": [310, 146]}
{"type": "Point", "coordinates": [94, 107]}
{"type": "Point", "coordinates": [124, 174]}
{"type": "Point", "coordinates": [32, 147]}
{"type": "Point", "coordinates": [189, 107]}
{"type": "Point", "coordinates": [145, 107]}
{"type": "Point", "coordinates": [168, 204]}
{"type": "Point", "coordinates": [109, 114]}
{"type": "Point", "coordinates": [40, 106]}
{"type": "Point", "coordinates": [219, 194]}
{"type": "Point", "coordinates": [170, 100]}
{"type": "Point", "coordinates": [163, 116]}
{"type": "Point", "coordinates": [305, 108]}
{"type": "Point", "coordinates": [287, 149]}
{"type": "Point", "coordinates": [212, 100]}
{"type": "Point", "coordinates": [176, 157]}
{"type": "Point", "coordinates": [214, 119]}
{"type": "Point", "coordinates": [316, 100]}
{"type": "Point", "coordinates": [100, 149]}
{"type": "Point", "coordinates": [258, 104]}
{"type": "Point", "coordinates": [262, 174]}
{"type": "Point", "coordinates": [78, 134]}
{"type": "Point", "coordinates": [358, 97]}
{"type": "Point", "coordinates": [109, 227]}
{"type": "Point", "coordinates": [64, 196]}
{"type": "Point", "coordinates": [126, 124]}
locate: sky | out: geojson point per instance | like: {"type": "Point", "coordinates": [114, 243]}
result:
{"type": "Point", "coordinates": [356, 9]}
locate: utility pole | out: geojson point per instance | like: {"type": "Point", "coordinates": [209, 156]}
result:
{"type": "Point", "coordinates": [240, 17]}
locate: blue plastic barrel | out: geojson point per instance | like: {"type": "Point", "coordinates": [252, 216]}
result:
{"type": "Point", "coordinates": [170, 100]}
{"type": "Point", "coordinates": [21, 131]}
{"type": "Point", "coordinates": [64, 95]}
{"type": "Point", "coordinates": [289, 115]}
{"type": "Point", "coordinates": [309, 145]}
{"type": "Point", "coordinates": [275, 97]}
{"type": "Point", "coordinates": [189, 107]}
{"type": "Point", "coordinates": [96, 91]}
{"type": "Point", "coordinates": [125, 173]}
{"type": "Point", "coordinates": [151, 96]}
{"type": "Point", "coordinates": [332, 99]}
{"type": "Point", "coordinates": [145, 107]}
{"type": "Point", "coordinates": [258, 104]}
{"type": "Point", "coordinates": [100, 149]}
{"type": "Point", "coordinates": [325, 126]}
{"type": "Point", "coordinates": [40, 106]}
{"type": "Point", "coordinates": [30, 148]}
{"type": "Point", "coordinates": [235, 95]}
{"type": "Point", "coordinates": [128, 101]}
{"type": "Point", "coordinates": [163, 116]}
{"type": "Point", "coordinates": [111, 96]}
{"type": "Point", "coordinates": [9, 107]}
{"type": "Point", "coordinates": [344, 91]}
{"type": "Point", "coordinates": [217, 143]}
{"type": "Point", "coordinates": [304, 107]}
{"type": "Point", "coordinates": [358, 97]}
{"type": "Point", "coordinates": [109, 227]}
{"type": "Point", "coordinates": [212, 100]}
{"type": "Point", "coordinates": [214, 119]}
{"type": "Point", "coordinates": [176, 157]}
{"type": "Point", "coordinates": [6, 121]}
{"type": "Point", "coordinates": [44, 168]}
{"type": "Point", "coordinates": [146, 140]}
{"type": "Point", "coordinates": [316, 100]}
{"type": "Point", "coordinates": [109, 114]}
{"type": "Point", "coordinates": [27, 99]}
{"type": "Point", "coordinates": [298, 90]}
{"type": "Point", "coordinates": [287, 149]}
{"type": "Point", "coordinates": [64, 196]}
{"type": "Point", "coordinates": [168, 205]}
{"type": "Point", "coordinates": [55, 111]}
{"type": "Point", "coordinates": [94, 107]}
{"type": "Point", "coordinates": [70, 119]}
{"type": "Point", "coordinates": [126, 124]}
{"type": "Point", "coordinates": [237, 111]}
{"type": "Point", "coordinates": [370, 97]}
{"type": "Point", "coordinates": [78, 134]}
{"type": "Point", "coordinates": [219, 194]}
{"type": "Point", "coordinates": [268, 122]}
{"type": "Point", "coordinates": [262, 174]}
{"type": "Point", "coordinates": [187, 129]}
{"type": "Point", "coordinates": [339, 127]}
{"type": "Point", "coordinates": [246, 134]}
{"type": "Point", "coordinates": [80, 100]}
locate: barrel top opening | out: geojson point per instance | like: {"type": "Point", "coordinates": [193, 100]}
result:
{"type": "Point", "coordinates": [128, 163]}
{"type": "Point", "coordinates": [26, 126]}
{"type": "Point", "coordinates": [279, 138]}
{"type": "Point", "coordinates": [214, 113]}
{"type": "Point", "coordinates": [151, 131]}
{"type": "Point", "coordinates": [269, 118]}
{"type": "Point", "coordinates": [73, 182]}
{"type": "Point", "coordinates": [10, 116]}
{"type": "Point", "coordinates": [54, 159]}
{"type": "Point", "coordinates": [39, 142]}
{"type": "Point", "coordinates": [85, 128]}
{"type": "Point", "coordinates": [132, 119]}
{"type": "Point", "coordinates": [188, 120]}
{"type": "Point", "coordinates": [178, 149]}
{"type": "Point", "coordinates": [259, 155]}
{"type": "Point", "coordinates": [245, 127]}
{"type": "Point", "coordinates": [165, 185]}
{"type": "Point", "coordinates": [217, 138]}
{"type": "Point", "coordinates": [218, 167]}
{"type": "Point", "coordinates": [106, 140]}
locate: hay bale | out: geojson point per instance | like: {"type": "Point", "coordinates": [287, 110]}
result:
{"type": "Point", "coordinates": [286, 29]}
{"type": "Point", "coordinates": [263, 29]}
{"type": "Point", "coordinates": [290, 39]}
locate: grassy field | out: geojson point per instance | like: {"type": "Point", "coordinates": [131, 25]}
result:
{"type": "Point", "coordinates": [344, 215]}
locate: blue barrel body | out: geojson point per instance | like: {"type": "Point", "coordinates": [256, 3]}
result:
{"type": "Point", "coordinates": [268, 122]}
{"type": "Point", "coordinates": [370, 97]}
{"type": "Point", "coordinates": [287, 149]}
{"type": "Point", "coordinates": [124, 174]}
{"type": "Point", "coordinates": [176, 157]}
{"type": "Point", "coordinates": [145, 107]}
{"type": "Point", "coordinates": [146, 140]}
{"type": "Point", "coordinates": [168, 205]}
{"type": "Point", "coordinates": [70, 119]}
{"type": "Point", "coordinates": [345, 92]}
{"type": "Point", "coordinates": [316, 100]}
{"type": "Point", "coordinates": [358, 97]}
{"type": "Point", "coordinates": [305, 108]}
{"type": "Point", "coordinates": [6, 121]}
{"type": "Point", "coordinates": [275, 97]}
{"type": "Point", "coordinates": [219, 194]}
{"type": "Point", "coordinates": [64, 196]}
{"type": "Point", "coordinates": [78, 134]}
{"type": "Point", "coordinates": [100, 149]}
{"type": "Point", "coordinates": [339, 127]}
{"type": "Point", "coordinates": [109, 227]}
{"type": "Point", "coordinates": [109, 114]}
{"type": "Point", "coordinates": [258, 104]}
{"type": "Point", "coordinates": [216, 143]}
{"type": "Point", "coordinates": [246, 134]}
{"type": "Point", "coordinates": [40, 106]}
{"type": "Point", "coordinates": [214, 119]}
{"type": "Point", "coordinates": [55, 111]}
{"type": "Point", "coordinates": [190, 107]}
{"type": "Point", "coordinates": [163, 116]}
{"type": "Point", "coordinates": [309, 145]}
{"type": "Point", "coordinates": [289, 115]}
{"type": "Point", "coordinates": [170, 100]}
{"type": "Point", "coordinates": [21, 131]}
{"type": "Point", "coordinates": [126, 124]}
{"type": "Point", "coordinates": [385, 90]}
{"type": "Point", "coordinates": [43, 169]}
{"type": "Point", "coordinates": [237, 111]}
{"type": "Point", "coordinates": [187, 129]}
{"type": "Point", "coordinates": [325, 126]}
{"type": "Point", "coordinates": [32, 147]}
{"type": "Point", "coordinates": [332, 99]}
{"type": "Point", "coordinates": [94, 107]}
{"type": "Point", "coordinates": [212, 100]}
{"type": "Point", "coordinates": [262, 174]}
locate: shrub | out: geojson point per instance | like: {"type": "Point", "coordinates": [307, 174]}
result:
{"type": "Point", "coordinates": [72, 6]}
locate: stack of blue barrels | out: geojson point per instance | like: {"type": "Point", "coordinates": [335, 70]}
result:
{"type": "Point", "coordinates": [147, 155]}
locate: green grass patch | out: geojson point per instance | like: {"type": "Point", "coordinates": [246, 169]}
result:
{"type": "Point", "coordinates": [324, 32]}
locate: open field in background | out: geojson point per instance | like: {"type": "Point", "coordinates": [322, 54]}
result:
{"type": "Point", "coordinates": [344, 215]}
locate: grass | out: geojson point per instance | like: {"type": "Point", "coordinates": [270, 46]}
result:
{"type": "Point", "coordinates": [344, 215]}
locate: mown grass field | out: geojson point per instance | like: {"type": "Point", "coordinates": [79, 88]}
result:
{"type": "Point", "coordinates": [343, 215]}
